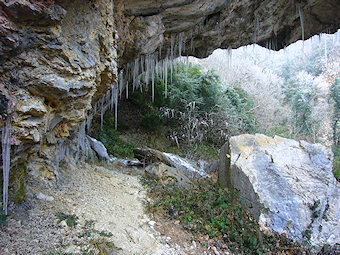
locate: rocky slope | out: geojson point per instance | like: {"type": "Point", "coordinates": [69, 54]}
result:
{"type": "Point", "coordinates": [58, 57]}
{"type": "Point", "coordinates": [109, 205]}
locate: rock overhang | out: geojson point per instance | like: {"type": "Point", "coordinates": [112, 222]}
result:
{"type": "Point", "coordinates": [207, 25]}
{"type": "Point", "coordinates": [62, 56]}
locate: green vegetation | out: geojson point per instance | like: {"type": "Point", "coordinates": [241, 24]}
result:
{"type": "Point", "coordinates": [335, 98]}
{"type": "Point", "coordinates": [3, 221]}
{"type": "Point", "coordinates": [300, 94]}
{"type": "Point", "coordinates": [211, 211]}
{"type": "Point", "coordinates": [194, 120]}
{"type": "Point", "coordinates": [198, 113]}
{"type": "Point", "coordinates": [239, 106]}
{"type": "Point", "coordinates": [18, 176]}
{"type": "Point", "coordinates": [101, 246]}
{"type": "Point", "coordinates": [280, 131]}
{"type": "Point", "coordinates": [97, 242]}
{"type": "Point", "coordinates": [336, 162]}
{"type": "Point", "coordinates": [90, 240]}
{"type": "Point", "coordinates": [71, 220]}
{"type": "Point", "coordinates": [111, 138]}
{"type": "Point", "coordinates": [17, 179]}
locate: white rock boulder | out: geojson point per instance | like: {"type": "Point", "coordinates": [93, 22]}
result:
{"type": "Point", "coordinates": [288, 185]}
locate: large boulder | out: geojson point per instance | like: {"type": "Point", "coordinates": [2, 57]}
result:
{"type": "Point", "coordinates": [287, 185]}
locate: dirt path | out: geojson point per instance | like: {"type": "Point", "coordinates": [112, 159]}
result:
{"type": "Point", "coordinates": [105, 202]}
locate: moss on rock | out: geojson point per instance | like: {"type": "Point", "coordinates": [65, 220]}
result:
{"type": "Point", "coordinates": [17, 179]}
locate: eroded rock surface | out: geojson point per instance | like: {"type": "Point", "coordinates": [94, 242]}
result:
{"type": "Point", "coordinates": [207, 25]}
{"type": "Point", "coordinates": [58, 57]}
{"type": "Point", "coordinates": [292, 180]}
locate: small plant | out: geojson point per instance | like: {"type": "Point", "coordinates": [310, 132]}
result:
{"type": "Point", "coordinates": [105, 234]}
{"type": "Point", "coordinates": [71, 220]}
{"type": "Point", "coordinates": [324, 215]}
{"type": "Point", "coordinates": [101, 246]}
{"type": "Point", "coordinates": [3, 221]}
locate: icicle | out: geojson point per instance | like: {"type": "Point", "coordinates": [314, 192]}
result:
{"type": "Point", "coordinates": [166, 76]}
{"type": "Point", "coordinates": [229, 56]}
{"type": "Point", "coordinates": [135, 74]}
{"type": "Point", "coordinates": [127, 89]}
{"type": "Point", "coordinates": [153, 79]}
{"type": "Point", "coordinates": [256, 29]}
{"type": "Point", "coordinates": [184, 44]}
{"type": "Point", "coordinates": [302, 22]}
{"type": "Point", "coordinates": [140, 85]}
{"type": "Point", "coordinates": [180, 44]}
{"type": "Point", "coordinates": [276, 47]}
{"type": "Point", "coordinates": [89, 122]}
{"type": "Point", "coordinates": [153, 87]}
{"type": "Point", "coordinates": [157, 68]}
{"type": "Point", "coordinates": [101, 113]}
{"type": "Point", "coordinates": [187, 63]}
{"type": "Point", "coordinates": [142, 63]}
{"type": "Point", "coordinates": [95, 108]}
{"type": "Point", "coordinates": [172, 44]}
{"type": "Point", "coordinates": [147, 70]}
{"type": "Point", "coordinates": [6, 159]}
{"type": "Point", "coordinates": [112, 97]}
{"type": "Point", "coordinates": [121, 82]}
{"type": "Point", "coordinates": [116, 109]}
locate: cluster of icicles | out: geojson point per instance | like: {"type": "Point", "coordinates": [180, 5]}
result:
{"type": "Point", "coordinates": [145, 68]}
{"type": "Point", "coordinates": [141, 72]}
{"type": "Point", "coordinates": [6, 159]}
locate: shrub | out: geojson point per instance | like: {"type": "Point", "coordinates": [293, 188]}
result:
{"type": "Point", "coordinates": [111, 138]}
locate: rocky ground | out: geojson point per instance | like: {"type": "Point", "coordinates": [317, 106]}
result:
{"type": "Point", "coordinates": [97, 211]}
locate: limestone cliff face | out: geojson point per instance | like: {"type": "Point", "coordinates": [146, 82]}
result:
{"type": "Point", "coordinates": [58, 57]}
